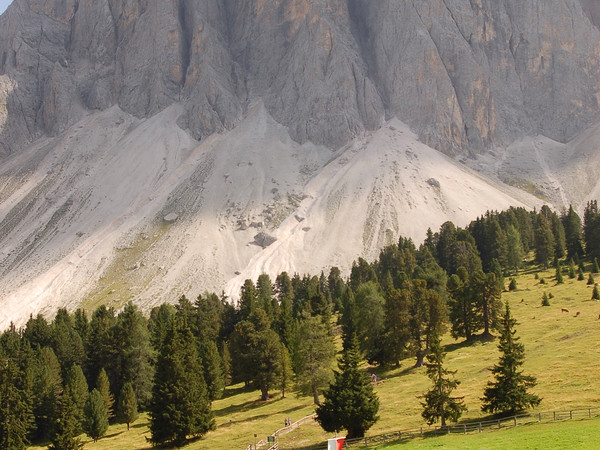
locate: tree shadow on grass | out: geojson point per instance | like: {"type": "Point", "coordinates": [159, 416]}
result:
{"type": "Point", "coordinates": [246, 406]}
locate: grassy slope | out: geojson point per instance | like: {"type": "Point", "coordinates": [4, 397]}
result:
{"type": "Point", "coordinates": [571, 435]}
{"type": "Point", "coordinates": [561, 350]}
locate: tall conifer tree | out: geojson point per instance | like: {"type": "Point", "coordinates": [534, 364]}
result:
{"type": "Point", "coordinates": [508, 393]}
{"type": "Point", "coordinates": [439, 404]}
{"type": "Point", "coordinates": [350, 402]}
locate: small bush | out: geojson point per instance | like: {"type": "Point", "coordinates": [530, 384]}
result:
{"type": "Point", "coordinates": [580, 275]}
{"type": "Point", "coordinates": [559, 277]}
{"type": "Point", "coordinates": [536, 276]}
{"type": "Point", "coordinates": [545, 300]}
{"type": "Point", "coordinates": [595, 293]}
{"type": "Point", "coordinates": [513, 284]}
{"type": "Point", "coordinates": [542, 281]}
{"type": "Point", "coordinates": [550, 295]}
{"type": "Point", "coordinates": [595, 267]}
{"type": "Point", "coordinates": [572, 272]}
{"type": "Point", "coordinates": [590, 279]}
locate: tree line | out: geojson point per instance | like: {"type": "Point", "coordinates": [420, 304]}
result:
{"type": "Point", "coordinates": [279, 335]}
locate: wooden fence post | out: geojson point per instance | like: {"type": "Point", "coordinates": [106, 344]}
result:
{"type": "Point", "coordinates": [515, 419]}
{"type": "Point", "coordinates": [539, 417]}
{"type": "Point", "coordinates": [498, 423]}
{"type": "Point", "coordinates": [571, 413]}
{"type": "Point", "coordinates": [480, 427]}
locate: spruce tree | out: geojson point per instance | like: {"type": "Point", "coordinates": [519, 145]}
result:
{"type": "Point", "coordinates": [545, 300]}
{"type": "Point", "coordinates": [127, 411]}
{"type": "Point", "coordinates": [595, 267]}
{"type": "Point", "coordinates": [590, 279]}
{"type": "Point", "coordinates": [103, 386]}
{"type": "Point", "coordinates": [66, 426]}
{"type": "Point", "coordinates": [179, 406]}
{"type": "Point", "coordinates": [559, 276]}
{"type": "Point", "coordinates": [16, 417]}
{"type": "Point", "coordinates": [213, 370]}
{"type": "Point", "coordinates": [508, 393]}
{"type": "Point", "coordinates": [287, 373]}
{"type": "Point", "coordinates": [438, 404]}
{"type": "Point", "coordinates": [77, 388]}
{"type": "Point", "coordinates": [595, 293]}
{"type": "Point", "coordinates": [47, 389]}
{"type": "Point", "coordinates": [95, 422]}
{"type": "Point", "coordinates": [350, 402]}
{"type": "Point", "coordinates": [580, 276]}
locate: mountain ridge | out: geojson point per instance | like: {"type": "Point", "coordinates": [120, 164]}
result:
{"type": "Point", "coordinates": [153, 149]}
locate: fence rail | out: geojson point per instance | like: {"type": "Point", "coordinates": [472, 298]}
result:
{"type": "Point", "coordinates": [264, 442]}
{"type": "Point", "coordinates": [476, 427]}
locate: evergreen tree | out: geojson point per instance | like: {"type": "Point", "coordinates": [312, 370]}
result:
{"type": "Point", "coordinates": [213, 370]}
{"type": "Point", "coordinates": [545, 300]}
{"type": "Point", "coordinates": [507, 394]}
{"type": "Point", "coordinates": [103, 386]}
{"type": "Point", "coordinates": [100, 346]}
{"type": "Point", "coordinates": [513, 284]}
{"type": "Point", "coordinates": [595, 293]}
{"type": "Point", "coordinates": [544, 241]}
{"type": "Point", "coordinates": [77, 387]}
{"type": "Point", "coordinates": [134, 352]}
{"type": "Point", "coordinates": [38, 332]}
{"type": "Point", "coordinates": [127, 411]}
{"type": "Point", "coordinates": [47, 389]}
{"type": "Point", "coordinates": [514, 253]}
{"type": "Point", "coordinates": [96, 420]}
{"type": "Point", "coordinates": [580, 275]}
{"type": "Point", "coordinates": [463, 306]}
{"type": "Point", "coordinates": [396, 334]}
{"type": "Point", "coordinates": [591, 229]}
{"type": "Point", "coordinates": [287, 374]}
{"type": "Point", "coordinates": [595, 267]}
{"type": "Point", "coordinates": [573, 233]}
{"type": "Point", "coordinates": [487, 293]}
{"type": "Point", "coordinates": [370, 320]}
{"type": "Point", "coordinates": [590, 279]}
{"type": "Point", "coordinates": [572, 270]}
{"type": "Point", "coordinates": [66, 426]}
{"type": "Point", "coordinates": [179, 406]}
{"type": "Point", "coordinates": [16, 415]}
{"type": "Point", "coordinates": [66, 342]}
{"type": "Point", "coordinates": [438, 404]}
{"type": "Point", "coordinates": [313, 354]}
{"type": "Point", "coordinates": [226, 364]}
{"type": "Point", "coordinates": [350, 402]}
{"type": "Point", "coordinates": [559, 275]}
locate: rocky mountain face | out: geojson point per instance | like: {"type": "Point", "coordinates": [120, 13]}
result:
{"type": "Point", "coordinates": [154, 148]}
{"type": "Point", "coordinates": [467, 75]}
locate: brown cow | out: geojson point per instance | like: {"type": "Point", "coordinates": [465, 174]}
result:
{"type": "Point", "coordinates": [576, 314]}
{"type": "Point", "coordinates": [564, 310]}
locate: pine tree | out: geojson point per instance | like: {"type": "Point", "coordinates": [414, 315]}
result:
{"type": "Point", "coordinates": [590, 279]}
{"type": "Point", "coordinates": [545, 300]}
{"type": "Point", "coordinates": [350, 402]}
{"type": "Point", "coordinates": [179, 406]}
{"type": "Point", "coordinates": [77, 388]}
{"type": "Point", "coordinates": [95, 423]}
{"type": "Point", "coordinates": [47, 389]}
{"type": "Point", "coordinates": [127, 411]}
{"type": "Point", "coordinates": [559, 275]}
{"type": "Point", "coordinates": [438, 404]}
{"type": "Point", "coordinates": [580, 276]}
{"type": "Point", "coordinates": [507, 394]}
{"type": "Point", "coordinates": [134, 352]}
{"type": "Point", "coordinates": [595, 267]}
{"type": "Point", "coordinates": [595, 293]}
{"type": "Point", "coordinates": [513, 284]}
{"type": "Point", "coordinates": [16, 416]}
{"type": "Point", "coordinates": [544, 241]}
{"type": "Point", "coordinates": [287, 373]}
{"type": "Point", "coordinates": [103, 386]}
{"type": "Point", "coordinates": [66, 426]}
{"type": "Point", "coordinates": [213, 371]}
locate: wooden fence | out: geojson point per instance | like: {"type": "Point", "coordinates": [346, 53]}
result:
{"type": "Point", "coordinates": [475, 427]}
{"type": "Point", "coordinates": [265, 442]}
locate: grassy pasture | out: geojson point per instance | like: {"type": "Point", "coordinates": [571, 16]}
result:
{"type": "Point", "coordinates": [561, 350]}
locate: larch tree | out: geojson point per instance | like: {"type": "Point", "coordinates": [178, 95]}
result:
{"type": "Point", "coordinates": [313, 354]}
{"type": "Point", "coordinates": [508, 392]}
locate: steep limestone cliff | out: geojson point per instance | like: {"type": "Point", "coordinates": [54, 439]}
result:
{"type": "Point", "coordinates": [467, 75]}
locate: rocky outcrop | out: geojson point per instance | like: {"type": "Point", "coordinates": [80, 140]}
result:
{"type": "Point", "coordinates": [466, 75]}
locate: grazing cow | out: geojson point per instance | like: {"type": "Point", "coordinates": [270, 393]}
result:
{"type": "Point", "coordinates": [576, 314]}
{"type": "Point", "coordinates": [564, 310]}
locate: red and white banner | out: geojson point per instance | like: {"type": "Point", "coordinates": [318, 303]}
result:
{"type": "Point", "coordinates": [335, 443]}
